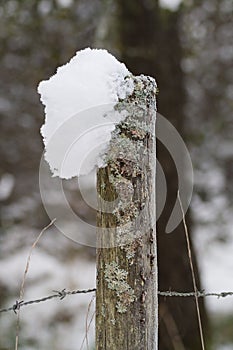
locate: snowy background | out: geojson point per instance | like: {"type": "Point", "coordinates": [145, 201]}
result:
{"type": "Point", "coordinates": [38, 36]}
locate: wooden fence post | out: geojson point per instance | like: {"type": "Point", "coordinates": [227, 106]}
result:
{"type": "Point", "coordinates": [126, 297]}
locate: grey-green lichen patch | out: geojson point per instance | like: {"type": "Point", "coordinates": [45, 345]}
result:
{"type": "Point", "coordinates": [117, 281]}
{"type": "Point", "coordinates": [144, 90]}
{"type": "Point", "coordinates": [136, 106]}
{"type": "Point", "coordinates": [124, 189]}
{"type": "Point", "coordinates": [127, 155]}
{"type": "Point", "coordinates": [129, 240]}
{"type": "Point", "coordinates": [124, 148]}
{"type": "Point", "coordinates": [113, 321]}
{"type": "Point", "coordinates": [103, 311]}
{"type": "Point", "coordinates": [125, 212]}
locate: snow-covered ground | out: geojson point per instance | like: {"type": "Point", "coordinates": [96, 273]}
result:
{"type": "Point", "coordinates": [56, 263]}
{"type": "Point", "coordinates": [216, 263]}
{"type": "Point", "coordinates": [213, 238]}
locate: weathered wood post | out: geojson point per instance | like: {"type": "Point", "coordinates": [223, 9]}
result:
{"type": "Point", "coordinates": [126, 297]}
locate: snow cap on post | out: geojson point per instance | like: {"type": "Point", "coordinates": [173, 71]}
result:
{"type": "Point", "coordinates": [79, 105]}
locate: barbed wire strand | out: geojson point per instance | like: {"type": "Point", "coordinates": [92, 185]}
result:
{"type": "Point", "coordinates": [192, 271]}
{"type": "Point", "coordinates": [21, 293]}
{"type": "Point", "coordinates": [63, 293]}
{"type": "Point", "coordinates": [199, 294]}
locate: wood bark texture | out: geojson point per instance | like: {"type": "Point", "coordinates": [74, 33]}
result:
{"type": "Point", "coordinates": [126, 297]}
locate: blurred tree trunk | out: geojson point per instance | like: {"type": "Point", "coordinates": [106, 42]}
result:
{"type": "Point", "coordinates": [149, 44]}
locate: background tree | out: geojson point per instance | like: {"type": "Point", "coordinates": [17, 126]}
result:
{"type": "Point", "coordinates": [207, 64]}
{"type": "Point", "coordinates": [145, 31]}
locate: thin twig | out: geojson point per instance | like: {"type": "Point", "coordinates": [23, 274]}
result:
{"type": "Point", "coordinates": [92, 317]}
{"type": "Point", "coordinates": [171, 327]}
{"type": "Point", "coordinates": [21, 293]}
{"type": "Point", "coordinates": [87, 326]}
{"type": "Point", "coordinates": [192, 272]}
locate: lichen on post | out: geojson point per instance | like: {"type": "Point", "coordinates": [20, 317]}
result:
{"type": "Point", "coordinates": [126, 298]}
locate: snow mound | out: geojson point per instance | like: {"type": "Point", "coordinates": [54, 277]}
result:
{"type": "Point", "coordinates": [79, 105]}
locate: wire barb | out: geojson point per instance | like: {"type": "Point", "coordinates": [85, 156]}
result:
{"type": "Point", "coordinates": [17, 306]}
{"type": "Point", "coordinates": [62, 294]}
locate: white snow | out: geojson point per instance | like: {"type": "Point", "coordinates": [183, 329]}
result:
{"type": "Point", "coordinates": [213, 237]}
{"type": "Point", "coordinates": [45, 323]}
{"type": "Point", "coordinates": [216, 264]}
{"type": "Point", "coordinates": [64, 3]}
{"type": "Point", "coordinates": [7, 182]}
{"type": "Point", "coordinates": [79, 111]}
{"type": "Point", "coordinates": [171, 4]}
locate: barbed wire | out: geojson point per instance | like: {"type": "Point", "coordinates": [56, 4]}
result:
{"type": "Point", "coordinates": [63, 293]}
{"type": "Point", "coordinates": [58, 294]}
{"type": "Point", "coordinates": [199, 294]}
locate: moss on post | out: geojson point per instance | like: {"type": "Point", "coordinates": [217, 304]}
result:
{"type": "Point", "coordinates": [126, 298]}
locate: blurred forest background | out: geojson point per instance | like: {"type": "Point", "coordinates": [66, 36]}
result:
{"type": "Point", "coordinates": [187, 47]}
